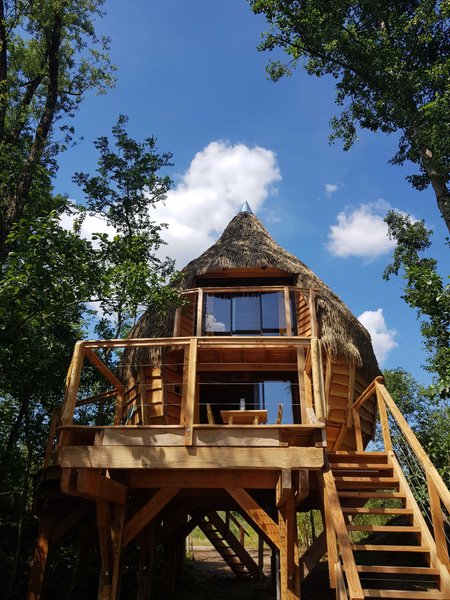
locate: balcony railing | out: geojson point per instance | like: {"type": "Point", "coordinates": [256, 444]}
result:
{"type": "Point", "coordinates": [193, 356]}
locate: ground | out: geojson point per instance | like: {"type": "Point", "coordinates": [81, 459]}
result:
{"type": "Point", "coordinates": [207, 577]}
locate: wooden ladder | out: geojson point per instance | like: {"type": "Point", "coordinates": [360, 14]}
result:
{"type": "Point", "coordinates": [228, 546]}
{"type": "Point", "coordinates": [394, 552]}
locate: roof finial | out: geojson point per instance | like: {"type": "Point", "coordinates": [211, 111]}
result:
{"type": "Point", "coordinates": [246, 208]}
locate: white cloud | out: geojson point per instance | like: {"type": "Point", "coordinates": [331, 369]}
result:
{"type": "Point", "coordinates": [218, 181]}
{"type": "Point", "coordinates": [382, 338]}
{"type": "Point", "coordinates": [361, 232]}
{"type": "Point", "coordinates": [330, 188]}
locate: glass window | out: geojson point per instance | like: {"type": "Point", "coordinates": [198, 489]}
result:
{"type": "Point", "coordinates": [252, 313]}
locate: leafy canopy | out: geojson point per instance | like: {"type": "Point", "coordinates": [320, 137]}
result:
{"type": "Point", "coordinates": [50, 57]}
{"type": "Point", "coordinates": [391, 64]}
{"type": "Point", "coordinates": [424, 290]}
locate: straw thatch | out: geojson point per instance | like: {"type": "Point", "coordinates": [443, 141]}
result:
{"type": "Point", "coordinates": [246, 243]}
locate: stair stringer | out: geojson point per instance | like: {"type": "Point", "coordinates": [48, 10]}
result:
{"type": "Point", "coordinates": [228, 541]}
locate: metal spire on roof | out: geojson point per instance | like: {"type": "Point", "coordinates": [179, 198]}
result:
{"type": "Point", "coordinates": [246, 208]}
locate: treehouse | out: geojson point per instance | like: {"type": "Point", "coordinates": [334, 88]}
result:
{"type": "Point", "coordinates": [257, 397]}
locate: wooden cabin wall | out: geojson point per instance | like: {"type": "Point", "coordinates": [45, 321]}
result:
{"type": "Point", "coordinates": [144, 398]}
{"type": "Point", "coordinates": [173, 379]}
{"type": "Point", "coordinates": [344, 383]}
{"type": "Point", "coordinates": [303, 316]}
{"type": "Point", "coordinates": [187, 318]}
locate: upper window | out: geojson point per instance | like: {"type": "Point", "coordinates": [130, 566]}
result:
{"type": "Point", "coordinates": [245, 313]}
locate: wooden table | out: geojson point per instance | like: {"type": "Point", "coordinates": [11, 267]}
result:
{"type": "Point", "coordinates": [243, 417]}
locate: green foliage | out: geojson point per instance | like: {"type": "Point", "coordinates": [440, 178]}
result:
{"type": "Point", "coordinates": [391, 64]}
{"type": "Point", "coordinates": [424, 290]}
{"type": "Point", "coordinates": [50, 56]}
{"type": "Point", "coordinates": [125, 189]}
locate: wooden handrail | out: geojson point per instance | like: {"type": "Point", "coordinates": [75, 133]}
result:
{"type": "Point", "coordinates": [367, 393]}
{"type": "Point", "coordinates": [437, 490]}
{"type": "Point", "coordinates": [416, 446]}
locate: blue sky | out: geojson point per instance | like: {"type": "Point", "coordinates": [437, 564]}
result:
{"type": "Point", "coordinates": [189, 72]}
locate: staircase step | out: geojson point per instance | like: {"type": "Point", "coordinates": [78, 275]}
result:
{"type": "Point", "coordinates": [346, 466]}
{"type": "Point", "coordinates": [361, 494]}
{"type": "Point", "coordinates": [398, 570]}
{"type": "Point", "coordinates": [385, 528]}
{"type": "Point", "coordinates": [407, 594]}
{"type": "Point", "coordinates": [357, 456]}
{"type": "Point", "coordinates": [365, 510]}
{"type": "Point", "coordinates": [383, 548]}
{"type": "Point", "coordinates": [376, 483]}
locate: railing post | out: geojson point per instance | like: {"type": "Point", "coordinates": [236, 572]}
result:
{"type": "Point", "coordinates": [287, 310]}
{"type": "Point", "coordinates": [189, 387]}
{"type": "Point", "coordinates": [312, 314]}
{"type": "Point", "coordinates": [358, 432]}
{"type": "Point", "coordinates": [317, 375]}
{"type": "Point", "coordinates": [437, 517]}
{"type": "Point", "coordinates": [72, 384]}
{"type": "Point", "coordinates": [199, 324]}
{"type": "Point", "coordinates": [384, 421]}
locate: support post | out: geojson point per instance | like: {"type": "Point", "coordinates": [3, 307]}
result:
{"type": "Point", "coordinates": [40, 559]}
{"type": "Point", "coordinates": [72, 384]}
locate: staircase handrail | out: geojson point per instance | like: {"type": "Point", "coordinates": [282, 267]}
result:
{"type": "Point", "coordinates": [415, 445]}
{"type": "Point", "coordinates": [437, 490]}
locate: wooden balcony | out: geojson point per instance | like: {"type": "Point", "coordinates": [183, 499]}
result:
{"type": "Point", "coordinates": [156, 442]}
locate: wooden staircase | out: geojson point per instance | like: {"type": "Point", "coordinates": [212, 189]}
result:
{"type": "Point", "coordinates": [393, 549]}
{"type": "Point", "coordinates": [228, 546]}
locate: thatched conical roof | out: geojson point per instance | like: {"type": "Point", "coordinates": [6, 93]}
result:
{"type": "Point", "coordinates": [246, 243]}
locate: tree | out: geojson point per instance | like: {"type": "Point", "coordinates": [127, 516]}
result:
{"type": "Point", "coordinates": [427, 414]}
{"type": "Point", "coordinates": [50, 276]}
{"type": "Point", "coordinates": [391, 63]}
{"type": "Point", "coordinates": [50, 56]}
{"type": "Point", "coordinates": [125, 189]}
{"type": "Point", "coordinates": [424, 291]}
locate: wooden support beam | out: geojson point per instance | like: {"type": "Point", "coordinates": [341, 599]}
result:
{"type": "Point", "coordinates": [94, 485]}
{"type": "Point", "coordinates": [69, 521]}
{"type": "Point", "coordinates": [147, 544]}
{"type": "Point", "coordinates": [206, 479]}
{"type": "Point", "coordinates": [106, 552]}
{"type": "Point", "coordinates": [110, 520]}
{"type": "Point", "coordinates": [256, 514]}
{"type": "Point", "coordinates": [284, 487]}
{"type": "Point", "coordinates": [104, 370]}
{"type": "Point", "coordinates": [301, 485]}
{"type": "Point", "coordinates": [313, 555]}
{"type": "Point", "coordinates": [148, 512]}
{"type": "Point", "coordinates": [287, 527]}
{"type": "Point", "coordinates": [205, 457]}
{"type": "Point", "coordinates": [38, 568]}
